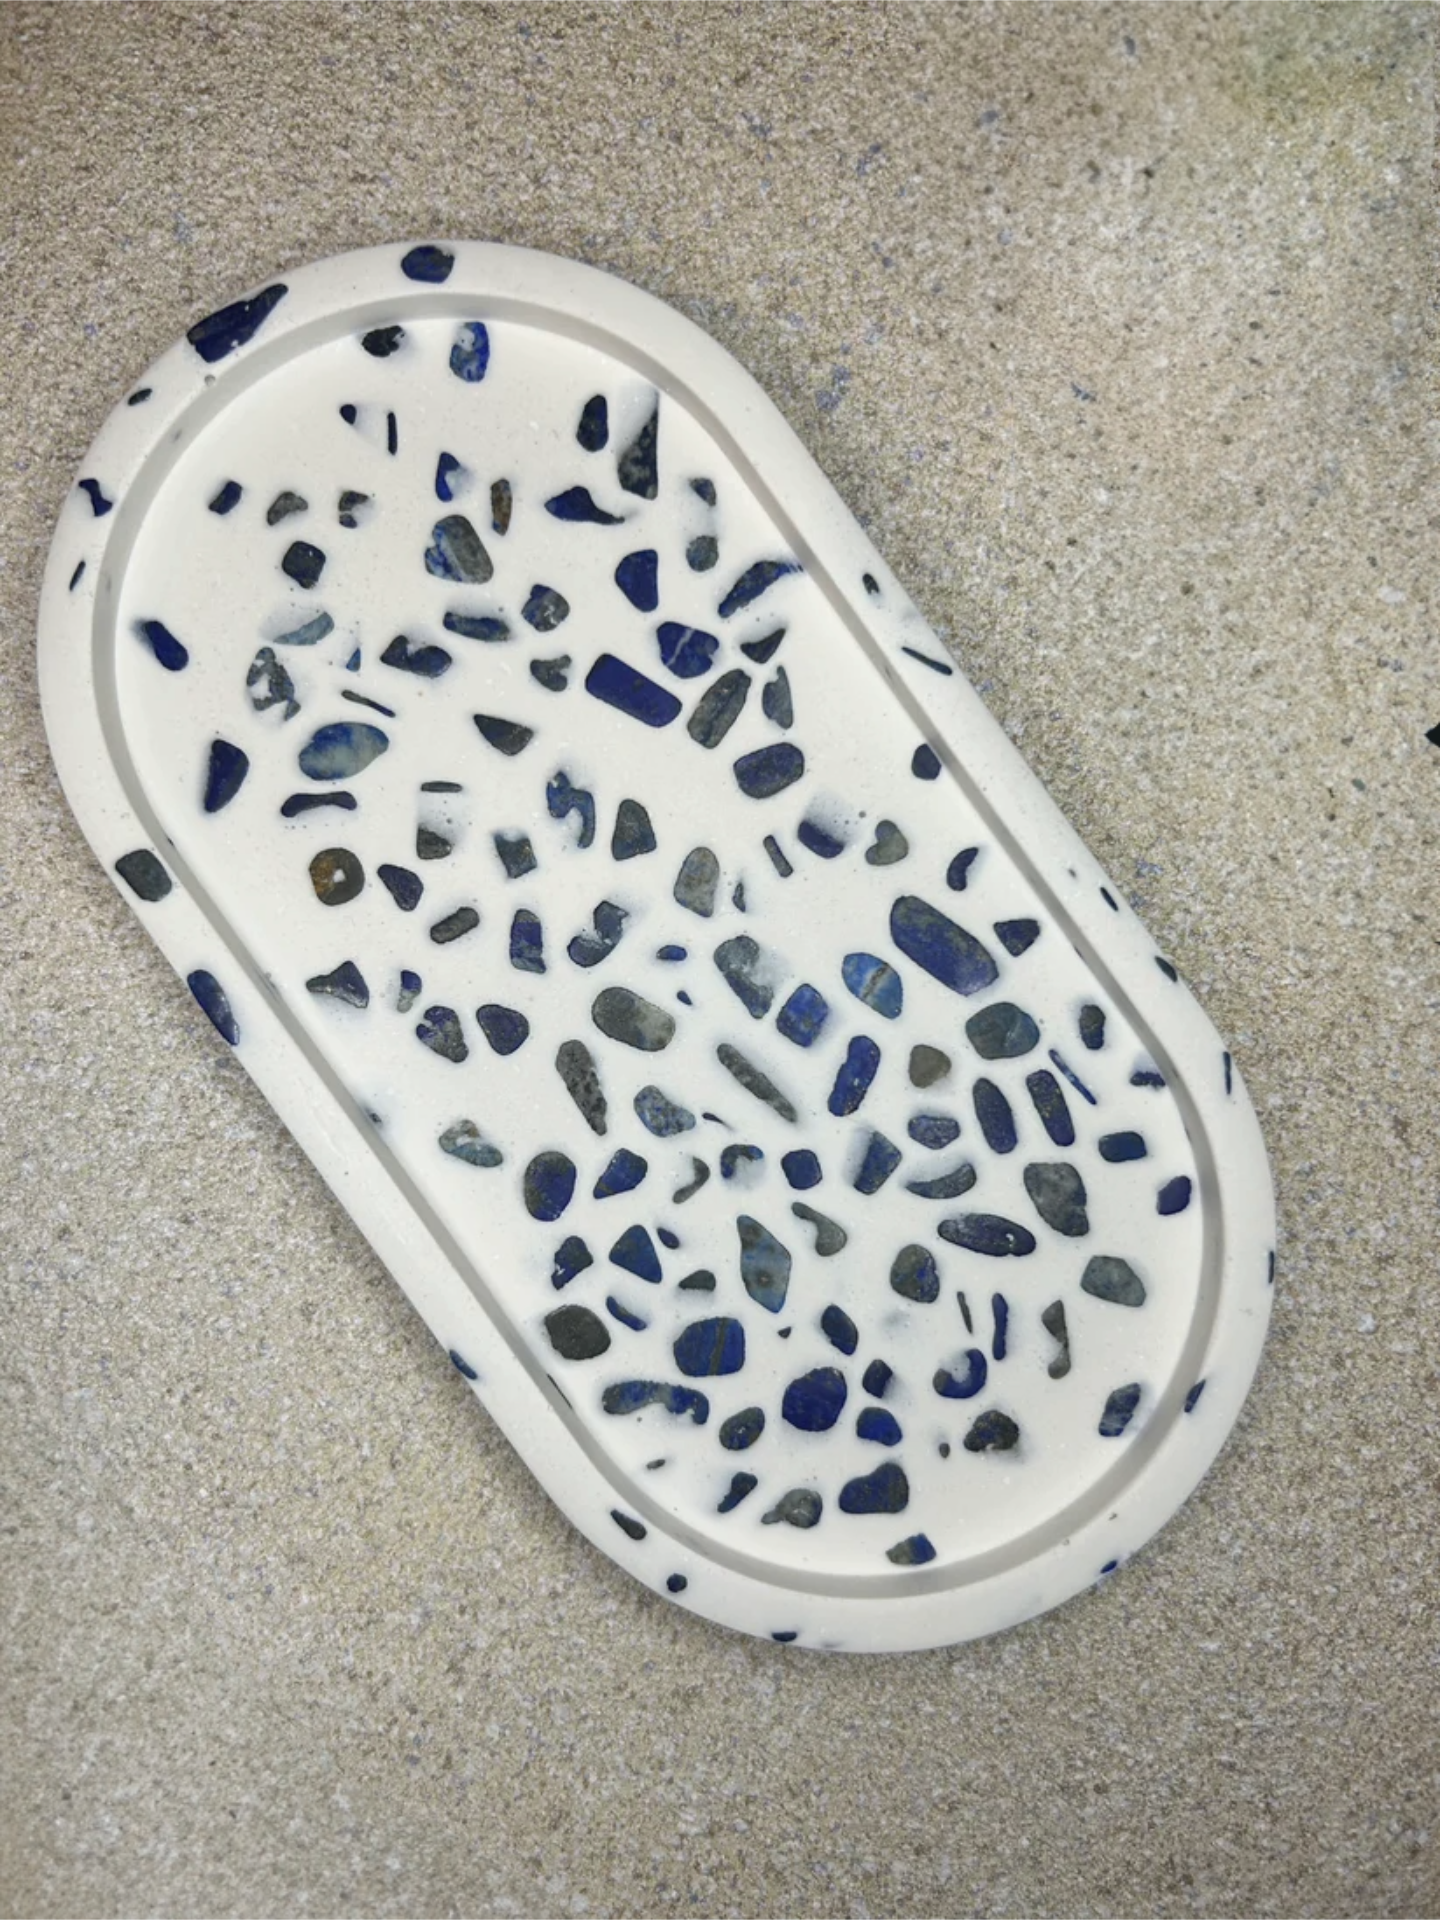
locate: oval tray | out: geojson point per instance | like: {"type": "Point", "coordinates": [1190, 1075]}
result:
{"type": "Point", "coordinates": [538, 777]}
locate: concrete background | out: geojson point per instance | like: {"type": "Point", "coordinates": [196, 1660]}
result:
{"type": "Point", "coordinates": [1111, 322]}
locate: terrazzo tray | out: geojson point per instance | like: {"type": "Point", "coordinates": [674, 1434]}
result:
{"type": "Point", "coordinates": [502, 726]}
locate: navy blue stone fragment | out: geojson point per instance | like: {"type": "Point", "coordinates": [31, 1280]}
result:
{"type": "Point", "coordinates": [462, 1365]}
{"type": "Point", "coordinates": [517, 856]}
{"type": "Point", "coordinates": [464, 1141]}
{"type": "Point", "coordinates": [947, 952]}
{"type": "Point", "coordinates": [429, 265]}
{"type": "Point", "coordinates": [638, 578]}
{"type": "Point", "coordinates": [622, 686]}
{"type": "Point", "coordinates": [704, 490]}
{"type": "Point", "coordinates": [740, 1485]}
{"type": "Point", "coordinates": [875, 1424]}
{"type": "Point", "coordinates": [638, 468]}
{"type": "Point", "coordinates": [303, 563]}
{"type": "Point", "coordinates": [884, 1491]}
{"type": "Point", "coordinates": [549, 1185]}
{"type": "Point", "coordinates": [392, 434]}
{"type": "Point", "coordinates": [964, 1385]}
{"type": "Point", "coordinates": [661, 1115]}
{"type": "Point", "coordinates": [822, 841]}
{"type": "Point", "coordinates": [311, 632]}
{"type": "Point", "coordinates": [1017, 936]}
{"type": "Point", "coordinates": [839, 1329]}
{"type": "Point", "coordinates": [993, 1432]}
{"type": "Point", "coordinates": [874, 983]}
{"type": "Point", "coordinates": [1146, 1077]}
{"type": "Point", "coordinates": [225, 774]}
{"type": "Point", "coordinates": [815, 1401]}
{"type": "Point", "coordinates": [594, 429]}
{"type": "Point", "coordinates": [877, 1378]}
{"type": "Point", "coordinates": [718, 708]}
{"type": "Point", "coordinates": [504, 1027]}
{"type": "Point", "coordinates": [572, 1257]}
{"type": "Point", "coordinates": [917, 1551]}
{"type": "Point", "coordinates": [230, 327]}
{"type": "Point", "coordinates": [562, 799]}
{"type": "Point", "coordinates": [933, 1129]}
{"type": "Point", "coordinates": [776, 702]}
{"type": "Point", "coordinates": [739, 960]}
{"type": "Point", "coordinates": [676, 1583]}
{"type": "Point", "coordinates": [347, 505]}
{"type": "Point", "coordinates": [988, 1233]}
{"type": "Point", "coordinates": [527, 942]}
{"type": "Point", "coordinates": [1044, 1090]}
{"type": "Point", "coordinates": [802, 1169]}
{"type": "Point", "coordinates": [1107, 1277]}
{"type": "Point", "coordinates": [764, 1264]}
{"type": "Point", "coordinates": [1058, 1195]}
{"type": "Point", "coordinates": [381, 342]}
{"type": "Point", "coordinates": [454, 926]}
{"type": "Point", "coordinates": [925, 659]}
{"type": "Point", "coordinates": [1119, 1411]}
{"type": "Point", "coordinates": [170, 652]}
{"type": "Point", "coordinates": [506, 736]}
{"type": "Point", "coordinates": [429, 662]}
{"type": "Point", "coordinates": [672, 953]}
{"type": "Point", "coordinates": [635, 1252]}
{"type": "Point", "coordinates": [944, 1186]}
{"type": "Point", "coordinates": [763, 650]}
{"type": "Point", "coordinates": [777, 858]}
{"type": "Point", "coordinates": [440, 1031]}
{"type": "Point", "coordinates": [625, 1171]}
{"type": "Point", "coordinates": [687, 651]}
{"type": "Point", "coordinates": [629, 1396]}
{"type": "Point", "coordinates": [349, 413]}
{"type": "Point", "coordinates": [575, 504]}
{"type": "Point", "coordinates": [456, 552]}
{"type": "Point", "coordinates": [742, 1430]}
{"type": "Point", "coordinates": [470, 355]}
{"type": "Point", "coordinates": [211, 997]}
{"type": "Point", "coordinates": [702, 553]}
{"type": "Point", "coordinates": [445, 466]}
{"type": "Point", "coordinates": [627, 1524]}
{"type": "Point", "coordinates": [925, 763]}
{"type": "Point", "coordinates": [140, 395]}
{"type": "Point", "coordinates": [915, 1276]}
{"type": "Point", "coordinates": [633, 834]}
{"type": "Point", "coordinates": [802, 1017]}
{"type": "Point", "coordinates": [576, 1333]}
{"type": "Point", "coordinates": [1092, 1027]}
{"type": "Point", "coordinates": [709, 1347]}
{"type": "Point", "coordinates": [957, 874]}
{"type": "Point", "coordinates": [1000, 1308]}
{"type": "Point", "coordinates": [753, 582]}
{"type": "Point", "coordinates": [227, 498]}
{"type": "Point", "coordinates": [769, 770]}
{"type": "Point", "coordinates": [623, 1314]}
{"type": "Point", "coordinates": [283, 506]}
{"type": "Point", "coordinates": [403, 886]}
{"type": "Point", "coordinates": [554, 675]}
{"type": "Point", "coordinates": [361, 700]}
{"type": "Point", "coordinates": [857, 1070]}
{"type": "Point", "coordinates": [1174, 1196]}
{"type": "Point", "coordinates": [997, 1121]}
{"type": "Point", "coordinates": [702, 1280]}
{"type": "Point", "coordinates": [882, 1157]}
{"type": "Point", "coordinates": [410, 986]}
{"type": "Point", "coordinates": [697, 880]}
{"type": "Point", "coordinates": [1166, 967]}
{"type": "Point", "coordinates": [737, 1160]}
{"type": "Point", "coordinates": [143, 873]}
{"type": "Point", "coordinates": [588, 949]}
{"type": "Point", "coordinates": [800, 1507]}
{"type": "Point", "coordinates": [1118, 1147]}
{"type": "Point", "coordinates": [76, 576]}
{"type": "Point", "coordinates": [1192, 1398]}
{"type": "Point", "coordinates": [1052, 1319]}
{"type": "Point", "coordinates": [345, 983]}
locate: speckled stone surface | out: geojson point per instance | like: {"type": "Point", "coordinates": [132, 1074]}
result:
{"type": "Point", "coordinates": [1111, 324]}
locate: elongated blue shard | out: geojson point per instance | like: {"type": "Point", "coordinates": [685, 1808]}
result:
{"type": "Point", "coordinates": [945, 1186]}
{"type": "Point", "coordinates": [429, 265]}
{"type": "Point", "coordinates": [211, 998]}
{"type": "Point", "coordinates": [577, 505]}
{"type": "Point", "coordinates": [988, 1233]}
{"type": "Point", "coordinates": [769, 770]}
{"type": "Point", "coordinates": [764, 1264]}
{"type": "Point", "coordinates": [1044, 1090]}
{"type": "Point", "coordinates": [857, 1070]}
{"type": "Point", "coordinates": [947, 952]}
{"type": "Point", "coordinates": [428, 662]}
{"type": "Point", "coordinates": [234, 326]}
{"type": "Point", "coordinates": [638, 578]}
{"type": "Point", "coordinates": [1119, 1411]}
{"type": "Point", "coordinates": [470, 355]}
{"type": "Point", "coordinates": [170, 652]}
{"type": "Point", "coordinates": [755, 581]}
{"type": "Point", "coordinates": [996, 1117]}
{"type": "Point", "coordinates": [225, 774]}
{"type": "Point", "coordinates": [622, 686]}
{"type": "Point", "coordinates": [100, 504]}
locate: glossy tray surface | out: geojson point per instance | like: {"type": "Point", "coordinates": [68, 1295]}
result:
{"type": "Point", "coordinates": [541, 781]}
